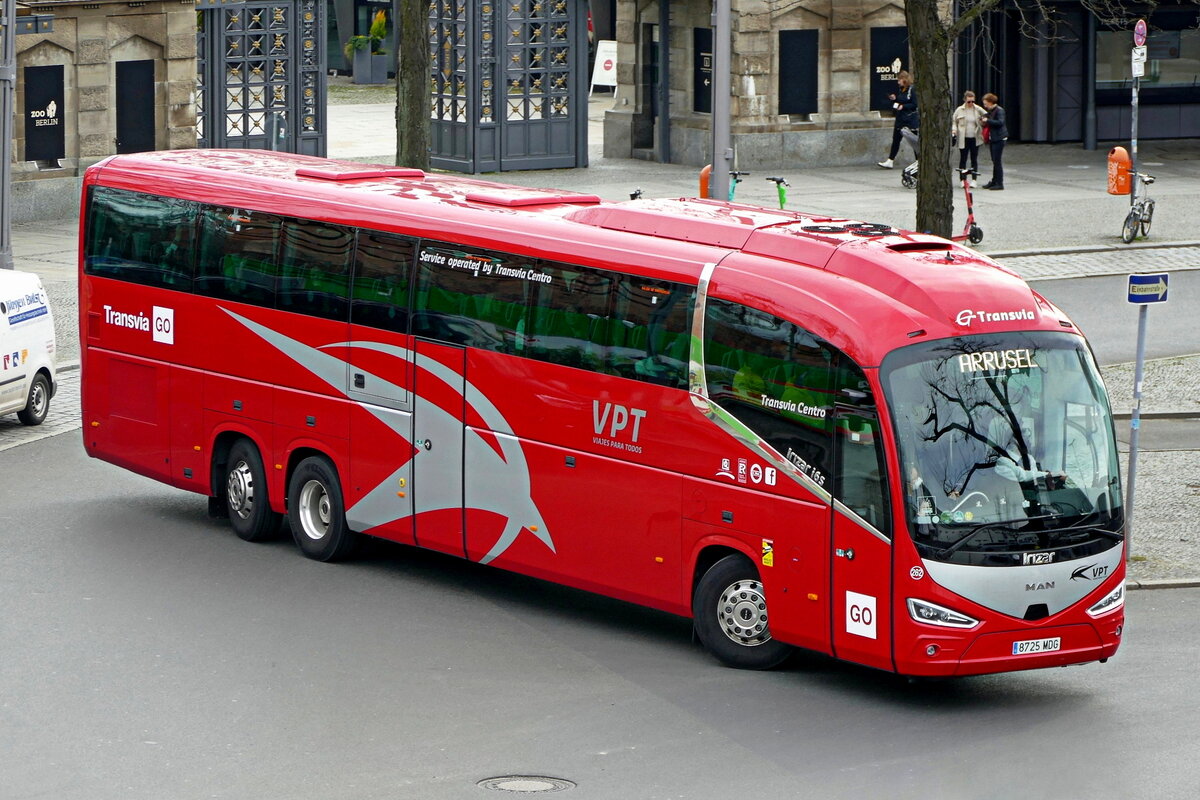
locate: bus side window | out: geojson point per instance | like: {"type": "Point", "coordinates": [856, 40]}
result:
{"type": "Point", "coordinates": [568, 316]}
{"type": "Point", "coordinates": [140, 238]}
{"type": "Point", "coordinates": [776, 378]}
{"type": "Point", "coordinates": [382, 274]}
{"type": "Point", "coordinates": [460, 300]}
{"type": "Point", "coordinates": [238, 251]}
{"type": "Point", "coordinates": [859, 480]}
{"type": "Point", "coordinates": [649, 337]}
{"type": "Point", "coordinates": [314, 269]}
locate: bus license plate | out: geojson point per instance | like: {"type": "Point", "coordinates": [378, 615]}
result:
{"type": "Point", "coordinates": [1036, 646]}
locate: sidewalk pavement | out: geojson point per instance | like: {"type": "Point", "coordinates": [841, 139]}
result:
{"type": "Point", "coordinates": [1053, 221]}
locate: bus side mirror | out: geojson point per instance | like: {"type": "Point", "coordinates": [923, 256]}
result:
{"type": "Point", "coordinates": [855, 397]}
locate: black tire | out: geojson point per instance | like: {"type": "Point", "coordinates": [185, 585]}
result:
{"type": "Point", "coordinates": [730, 616]}
{"type": "Point", "coordinates": [37, 406]}
{"type": "Point", "coordinates": [1130, 228]}
{"type": "Point", "coordinates": [908, 181]}
{"type": "Point", "coordinates": [1147, 218]}
{"type": "Point", "coordinates": [316, 512]}
{"type": "Point", "coordinates": [976, 235]}
{"type": "Point", "coordinates": [245, 489]}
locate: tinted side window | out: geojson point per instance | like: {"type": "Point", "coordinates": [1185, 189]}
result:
{"type": "Point", "coordinates": [650, 335]}
{"type": "Point", "coordinates": [473, 298]}
{"type": "Point", "coordinates": [383, 264]}
{"type": "Point", "coordinates": [237, 255]}
{"type": "Point", "coordinates": [571, 317]}
{"type": "Point", "coordinates": [775, 377]}
{"type": "Point", "coordinates": [860, 484]}
{"type": "Point", "coordinates": [141, 238]}
{"type": "Point", "coordinates": [314, 269]}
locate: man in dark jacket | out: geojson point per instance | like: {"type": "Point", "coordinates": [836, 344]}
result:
{"type": "Point", "coordinates": [905, 104]}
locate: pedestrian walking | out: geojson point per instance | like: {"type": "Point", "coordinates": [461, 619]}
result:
{"type": "Point", "coordinates": [904, 102]}
{"type": "Point", "coordinates": [967, 129]}
{"type": "Point", "coordinates": [996, 135]}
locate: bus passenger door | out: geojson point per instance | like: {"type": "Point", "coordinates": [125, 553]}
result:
{"type": "Point", "coordinates": [861, 551]}
{"type": "Point", "coordinates": [438, 430]}
{"type": "Point", "coordinates": [380, 442]}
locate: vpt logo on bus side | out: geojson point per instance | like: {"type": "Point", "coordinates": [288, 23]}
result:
{"type": "Point", "coordinates": [617, 426]}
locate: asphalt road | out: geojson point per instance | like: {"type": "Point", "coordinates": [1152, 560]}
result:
{"type": "Point", "coordinates": [149, 653]}
{"type": "Point", "coordinates": [1098, 306]}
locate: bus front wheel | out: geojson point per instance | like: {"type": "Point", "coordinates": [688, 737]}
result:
{"type": "Point", "coordinates": [730, 613]}
{"type": "Point", "coordinates": [246, 500]}
{"type": "Point", "coordinates": [316, 513]}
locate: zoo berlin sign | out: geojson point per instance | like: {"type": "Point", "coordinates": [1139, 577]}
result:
{"type": "Point", "coordinates": [45, 137]}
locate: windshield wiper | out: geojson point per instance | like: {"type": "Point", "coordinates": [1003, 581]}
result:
{"type": "Point", "coordinates": [1085, 523]}
{"type": "Point", "coordinates": [984, 526]}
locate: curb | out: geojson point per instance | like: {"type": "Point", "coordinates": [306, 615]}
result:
{"type": "Point", "coordinates": [1127, 415]}
{"type": "Point", "coordinates": [1099, 248]}
{"type": "Point", "coordinates": [1166, 583]}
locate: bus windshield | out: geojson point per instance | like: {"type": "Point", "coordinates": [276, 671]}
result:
{"type": "Point", "coordinates": [1006, 447]}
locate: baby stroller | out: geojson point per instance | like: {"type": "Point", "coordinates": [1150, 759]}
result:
{"type": "Point", "coordinates": [908, 176]}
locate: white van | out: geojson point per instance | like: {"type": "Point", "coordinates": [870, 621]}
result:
{"type": "Point", "coordinates": [26, 347]}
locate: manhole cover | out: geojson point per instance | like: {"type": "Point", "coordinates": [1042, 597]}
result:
{"type": "Point", "coordinates": [526, 784]}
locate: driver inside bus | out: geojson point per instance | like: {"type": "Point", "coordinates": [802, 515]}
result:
{"type": "Point", "coordinates": [1017, 460]}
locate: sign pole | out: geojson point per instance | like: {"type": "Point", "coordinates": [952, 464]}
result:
{"type": "Point", "coordinates": [1143, 290]}
{"type": "Point", "coordinates": [1135, 424]}
{"type": "Point", "coordinates": [722, 155]}
{"type": "Point", "coordinates": [1138, 65]}
{"type": "Point", "coordinates": [8, 82]}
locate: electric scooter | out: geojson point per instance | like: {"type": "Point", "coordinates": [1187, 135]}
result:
{"type": "Point", "coordinates": [971, 232]}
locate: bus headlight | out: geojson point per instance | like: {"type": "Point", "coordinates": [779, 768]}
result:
{"type": "Point", "coordinates": [930, 614]}
{"type": "Point", "coordinates": [1111, 602]}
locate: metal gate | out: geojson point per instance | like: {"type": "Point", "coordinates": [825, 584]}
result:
{"type": "Point", "coordinates": [261, 75]}
{"type": "Point", "coordinates": [508, 86]}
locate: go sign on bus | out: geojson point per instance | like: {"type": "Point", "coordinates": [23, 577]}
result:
{"type": "Point", "coordinates": [1148, 288]}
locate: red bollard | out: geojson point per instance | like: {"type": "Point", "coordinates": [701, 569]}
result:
{"type": "Point", "coordinates": [704, 176]}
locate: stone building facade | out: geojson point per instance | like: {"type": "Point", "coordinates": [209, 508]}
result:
{"type": "Point", "coordinates": [809, 81]}
{"type": "Point", "coordinates": [126, 76]}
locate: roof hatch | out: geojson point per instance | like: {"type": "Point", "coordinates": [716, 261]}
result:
{"type": "Point", "coordinates": [339, 173]}
{"type": "Point", "coordinates": [515, 197]}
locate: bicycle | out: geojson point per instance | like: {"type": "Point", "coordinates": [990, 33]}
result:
{"type": "Point", "coordinates": [781, 185]}
{"type": "Point", "coordinates": [1141, 209]}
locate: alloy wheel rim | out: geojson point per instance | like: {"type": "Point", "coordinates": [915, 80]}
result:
{"type": "Point", "coordinates": [315, 510]}
{"type": "Point", "coordinates": [742, 613]}
{"type": "Point", "coordinates": [240, 489]}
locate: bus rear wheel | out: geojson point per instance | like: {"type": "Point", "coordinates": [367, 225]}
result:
{"type": "Point", "coordinates": [246, 500]}
{"type": "Point", "coordinates": [730, 613]}
{"type": "Point", "coordinates": [316, 513]}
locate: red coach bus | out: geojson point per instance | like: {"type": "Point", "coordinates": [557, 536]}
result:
{"type": "Point", "coordinates": [884, 443]}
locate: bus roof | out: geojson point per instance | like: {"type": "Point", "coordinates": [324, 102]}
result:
{"type": "Point", "coordinates": [866, 287]}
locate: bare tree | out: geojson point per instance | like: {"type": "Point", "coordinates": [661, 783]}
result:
{"type": "Point", "coordinates": [931, 38]}
{"type": "Point", "coordinates": [412, 86]}
{"type": "Point", "coordinates": [933, 31]}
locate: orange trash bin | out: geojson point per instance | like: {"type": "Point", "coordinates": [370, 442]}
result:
{"type": "Point", "coordinates": [1120, 167]}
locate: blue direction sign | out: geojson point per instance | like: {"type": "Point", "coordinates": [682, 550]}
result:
{"type": "Point", "coordinates": [1148, 288]}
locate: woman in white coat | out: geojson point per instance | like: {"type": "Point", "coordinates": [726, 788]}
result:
{"type": "Point", "coordinates": [967, 130]}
